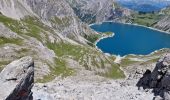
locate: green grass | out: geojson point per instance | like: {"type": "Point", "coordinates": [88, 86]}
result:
{"type": "Point", "coordinates": [56, 20]}
{"type": "Point", "coordinates": [84, 56]}
{"type": "Point", "coordinates": [150, 61]}
{"type": "Point", "coordinates": [114, 72]}
{"type": "Point", "coordinates": [64, 49]}
{"type": "Point", "coordinates": [37, 22]}
{"type": "Point", "coordinates": [60, 68]}
{"type": "Point", "coordinates": [21, 27]}
{"type": "Point", "coordinates": [126, 62]}
{"type": "Point", "coordinates": [81, 54]}
{"type": "Point", "coordinates": [4, 40]}
{"type": "Point", "coordinates": [108, 33]}
{"type": "Point", "coordinates": [76, 52]}
{"type": "Point", "coordinates": [148, 19]}
{"type": "Point", "coordinates": [92, 38]}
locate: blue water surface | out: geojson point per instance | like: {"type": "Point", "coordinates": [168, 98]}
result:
{"type": "Point", "coordinates": [130, 39]}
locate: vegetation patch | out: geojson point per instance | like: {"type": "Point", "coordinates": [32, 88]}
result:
{"type": "Point", "coordinates": [22, 27]}
{"type": "Point", "coordinates": [108, 33]}
{"type": "Point", "coordinates": [64, 49]}
{"type": "Point", "coordinates": [4, 40]}
{"type": "Point", "coordinates": [150, 61]}
{"type": "Point", "coordinates": [86, 57]}
{"type": "Point", "coordinates": [57, 20]}
{"type": "Point", "coordinates": [94, 37]}
{"type": "Point", "coordinates": [126, 62]}
{"type": "Point", "coordinates": [60, 69]}
{"type": "Point", "coordinates": [148, 19]}
{"type": "Point", "coordinates": [114, 72]}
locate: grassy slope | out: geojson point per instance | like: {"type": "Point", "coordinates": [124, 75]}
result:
{"type": "Point", "coordinates": [84, 55]}
{"type": "Point", "coordinates": [4, 40]}
{"type": "Point", "coordinates": [148, 19]}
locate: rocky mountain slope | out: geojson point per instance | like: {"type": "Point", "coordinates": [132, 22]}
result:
{"type": "Point", "coordinates": [53, 34]}
{"type": "Point", "coordinates": [143, 83]}
{"type": "Point", "coordinates": [164, 23]}
{"type": "Point", "coordinates": [17, 81]}
{"type": "Point", "coordinates": [50, 13]}
{"type": "Point", "coordinates": [50, 32]}
{"type": "Point", "coordinates": [91, 11]}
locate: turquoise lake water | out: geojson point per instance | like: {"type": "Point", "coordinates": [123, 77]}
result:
{"type": "Point", "coordinates": [130, 39]}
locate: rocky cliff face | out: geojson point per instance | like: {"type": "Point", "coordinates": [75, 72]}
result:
{"type": "Point", "coordinates": [59, 15]}
{"type": "Point", "coordinates": [158, 79]}
{"type": "Point", "coordinates": [17, 80]}
{"type": "Point", "coordinates": [91, 11]}
{"type": "Point", "coordinates": [54, 13]}
{"type": "Point", "coordinates": [164, 24]}
{"type": "Point", "coordinates": [15, 8]}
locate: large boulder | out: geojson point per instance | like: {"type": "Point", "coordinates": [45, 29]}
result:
{"type": "Point", "coordinates": [158, 79]}
{"type": "Point", "coordinates": [16, 80]}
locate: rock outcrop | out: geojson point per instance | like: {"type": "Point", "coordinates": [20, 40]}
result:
{"type": "Point", "coordinates": [158, 79]}
{"type": "Point", "coordinates": [91, 11]}
{"type": "Point", "coordinates": [56, 14]}
{"type": "Point", "coordinates": [17, 80]}
{"type": "Point", "coordinates": [164, 24]}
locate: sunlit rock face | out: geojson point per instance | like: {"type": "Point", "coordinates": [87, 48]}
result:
{"type": "Point", "coordinates": [17, 80]}
{"type": "Point", "coordinates": [163, 24]}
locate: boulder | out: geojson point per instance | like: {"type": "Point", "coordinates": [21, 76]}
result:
{"type": "Point", "coordinates": [158, 79]}
{"type": "Point", "coordinates": [17, 80]}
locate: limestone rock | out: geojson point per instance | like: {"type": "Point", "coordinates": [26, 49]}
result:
{"type": "Point", "coordinates": [159, 79]}
{"type": "Point", "coordinates": [15, 8]}
{"type": "Point", "coordinates": [17, 80]}
{"type": "Point", "coordinates": [91, 11]}
{"type": "Point", "coordinates": [163, 24]}
{"type": "Point", "coordinates": [56, 14]}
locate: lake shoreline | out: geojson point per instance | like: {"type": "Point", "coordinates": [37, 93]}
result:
{"type": "Point", "coordinates": [132, 25]}
{"type": "Point", "coordinates": [103, 37]}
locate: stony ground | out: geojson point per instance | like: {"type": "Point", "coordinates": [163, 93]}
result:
{"type": "Point", "coordinates": [87, 86]}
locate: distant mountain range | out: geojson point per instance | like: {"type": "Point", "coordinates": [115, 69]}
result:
{"type": "Point", "coordinates": [144, 5]}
